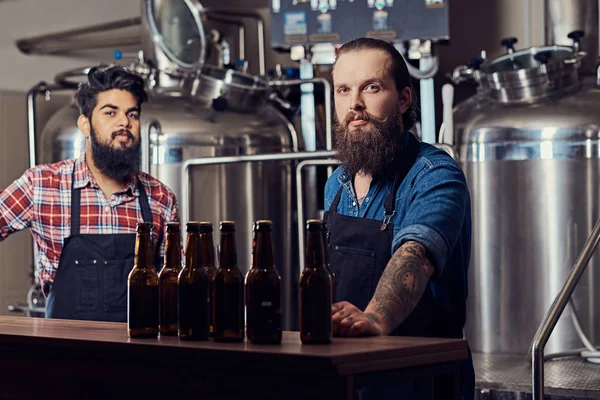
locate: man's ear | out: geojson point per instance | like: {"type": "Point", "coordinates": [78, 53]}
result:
{"type": "Point", "coordinates": [405, 99]}
{"type": "Point", "coordinates": [83, 123]}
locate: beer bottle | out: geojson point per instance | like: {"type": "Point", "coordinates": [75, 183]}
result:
{"type": "Point", "coordinates": [142, 288]}
{"type": "Point", "coordinates": [193, 289]}
{"type": "Point", "coordinates": [207, 262]}
{"type": "Point", "coordinates": [228, 290]}
{"type": "Point", "coordinates": [167, 282]}
{"type": "Point", "coordinates": [263, 293]}
{"type": "Point", "coordinates": [315, 289]}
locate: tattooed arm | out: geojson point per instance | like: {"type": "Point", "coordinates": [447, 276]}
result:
{"type": "Point", "coordinates": [398, 292]}
{"type": "Point", "coordinates": [401, 286]}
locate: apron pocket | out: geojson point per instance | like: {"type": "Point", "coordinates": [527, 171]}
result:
{"type": "Point", "coordinates": [354, 274]}
{"type": "Point", "coordinates": [115, 284]}
{"type": "Point", "coordinates": [87, 285]}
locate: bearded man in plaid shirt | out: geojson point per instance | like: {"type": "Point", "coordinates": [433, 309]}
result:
{"type": "Point", "coordinates": [83, 212]}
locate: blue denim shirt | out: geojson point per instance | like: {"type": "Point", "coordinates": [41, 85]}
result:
{"type": "Point", "coordinates": [433, 208]}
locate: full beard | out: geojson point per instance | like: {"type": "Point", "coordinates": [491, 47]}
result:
{"type": "Point", "coordinates": [374, 148]}
{"type": "Point", "coordinates": [120, 164]}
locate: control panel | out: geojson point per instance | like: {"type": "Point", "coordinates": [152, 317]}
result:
{"type": "Point", "coordinates": [308, 22]}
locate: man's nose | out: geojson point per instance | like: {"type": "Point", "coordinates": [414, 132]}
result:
{"type": "Point", "coordinates": [124, 121]}
{"type": "Point", "coordinates": [357, 103]}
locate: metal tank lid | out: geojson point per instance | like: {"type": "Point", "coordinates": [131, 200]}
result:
{"type": "Point", "coordinates": [531, 74]}
{"type": "Point", "coordinates": [525, 76]}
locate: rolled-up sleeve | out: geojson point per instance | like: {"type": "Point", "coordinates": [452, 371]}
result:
{"type": "Point", "coordinates": [436, 212]}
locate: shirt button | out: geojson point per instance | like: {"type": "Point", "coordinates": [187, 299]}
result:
{"type": "Point", "coordinates": [367, 199]}
{"type": "Point", "coordinates": [107, 209]}
{"type": "Point", "coordinates": [354, 203]}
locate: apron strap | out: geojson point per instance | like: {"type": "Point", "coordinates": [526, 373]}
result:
{"type": "Point", "coordinates": [336, 200]}
{"type": "Point", "coordinates": [75, 205]}
{"type": "Point", "coordinates": [146, 212]}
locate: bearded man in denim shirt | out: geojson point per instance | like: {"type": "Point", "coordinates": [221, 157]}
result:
{"type": "Point", "coordinates": [398, 215]}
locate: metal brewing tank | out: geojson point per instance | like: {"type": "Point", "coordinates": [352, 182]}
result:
{"type": "Point", "coordinates": [181, 128]}
{"type": "Point", "coordinates": [529, 144]}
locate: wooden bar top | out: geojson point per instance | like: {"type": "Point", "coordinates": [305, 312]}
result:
{"type": "Point", "coordinates": [97, 360]}
{"type": "Point", "coordinates": [347, 355]}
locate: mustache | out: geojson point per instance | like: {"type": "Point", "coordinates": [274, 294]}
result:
{"type": "Point", "coordinates": [123, 132]}
{"type": "Point", "coordinates": [357, 115]}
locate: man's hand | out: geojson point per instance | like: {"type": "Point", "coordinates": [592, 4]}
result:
{"type": "Point", "coordinates": [348, 320]}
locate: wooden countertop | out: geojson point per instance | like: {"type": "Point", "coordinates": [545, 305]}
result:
{"type": "Point", "coordinates": [60, 359]}
{"type": "Point", "coordinates": [347, 355]}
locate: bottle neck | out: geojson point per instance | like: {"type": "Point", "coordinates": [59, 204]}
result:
{"type": "Point", "coordinates": [315, 250]}
{"type": "Point", "coordinates": [228, 253]}
{"type": "Point", "coordinates": [192, 250]}
{"type": "Point", "coordinates": [173, 251]}
{"type": "Point", "coordinates": [262, 251]}
{"type": "Point", "coordinates": [143, 247]}
{"type": "Point", "coordinates": [208, 250]}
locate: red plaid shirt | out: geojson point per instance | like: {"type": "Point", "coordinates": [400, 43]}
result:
{"type": "Point", "coordinates": [41, 200]}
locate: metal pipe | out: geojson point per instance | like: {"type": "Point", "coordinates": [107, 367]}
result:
{"type": "Point", "coordinates": [291, 130]}
{"type": "Point", "coordinates": [185, 180]}
{"type": "Point", "coordinates": [300, 206]}
{"type": "Point", "coordinates": [448, 149]}
{"type": "Point", "coordinates": [260, 28]}
{"type": "Point", "coordinates": [41, 87]}
{"type": "Point", "coordinates": [145, 143]}
{"type": "Point", "coordinates": [327, 94]}
{"type": "Point", "coordinates": [74, 45]}
{"type": "Point", "coordinates": [31, 128]}
{"type": "Point", "coordinates": [241, 33]}
{"type": "Point", "coordinates": [551, 319]}
{"type": "Point", "coordinates": [35, 45]}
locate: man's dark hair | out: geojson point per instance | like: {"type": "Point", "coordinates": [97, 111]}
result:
{"type": "Point", "coordinates": [103, 78]}
{"type": "Point", "coordinates": [397, 68]}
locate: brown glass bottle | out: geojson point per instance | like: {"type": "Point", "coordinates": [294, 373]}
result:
{"type": "Point", "coordinates": [142, 288]}
{"type": "Point", "coordinates": [167, 282]}
{"type": "Point", "coordinates": [193, 289]}
{"type": "Point", "coordinates": [328, 261]}
{"type": "Point", "coordinates": [228, 290]}
{"type": "Point", "coordinates": [263, 290]}
{"type": "Point", "coordinates": [315, 289]}
{"type": "Point", "coordinates": [208, 264]}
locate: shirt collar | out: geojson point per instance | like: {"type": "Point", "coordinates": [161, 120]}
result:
{"type": "Point", "coordinates": [84, 177]}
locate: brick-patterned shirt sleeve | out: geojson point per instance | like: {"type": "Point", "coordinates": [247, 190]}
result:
{"type": "Point", "coordinates": [16, 203]}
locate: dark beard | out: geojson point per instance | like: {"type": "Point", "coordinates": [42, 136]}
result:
{"type": "Point", "coordinates": [374, 149]}
{"type": "Point", "coordinates": [119, 164]}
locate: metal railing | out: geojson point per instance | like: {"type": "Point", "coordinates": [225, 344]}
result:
{"type": "Point", "coordinates": [558, 306]}
{"type": "Point", "coordinates": [185, 169]}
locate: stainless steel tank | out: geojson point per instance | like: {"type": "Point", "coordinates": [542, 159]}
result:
{"type": "Point", "coordinates": [183, 129]}
{"type": "Point", "coordinates": [529, 144]}
{"type": "Point", "coordinates": [200, 111]}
